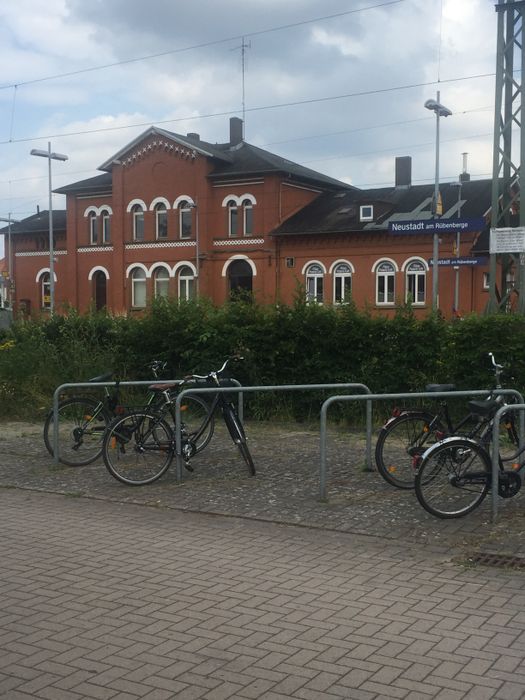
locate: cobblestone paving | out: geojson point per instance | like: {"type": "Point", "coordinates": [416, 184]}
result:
{"type": "Point", "coordinates": [121, 593]}
{"type": "Point", "coordinates": [286, 488]}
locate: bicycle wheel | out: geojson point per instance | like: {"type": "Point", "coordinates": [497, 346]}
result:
{"type": "Point", "coordinates": [454, 478]}
{"type": "Point", "coordinates": [238, 436]}
{"type": "Point", "coordinates": [82, 422]}
{"type": "Point", "coordinates": [138, 448]}
{"type": "Point", "coordinates": [401, 444]}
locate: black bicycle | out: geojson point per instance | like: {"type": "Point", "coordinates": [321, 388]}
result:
{"type": "Point", "coordinates": [83, 420]}
{"type": "Point", "coordinates": [455, 476]}
{"type": "Point", "coordinates": [405, 437]}
{"type": "Point", "coordinates": [138, 448]}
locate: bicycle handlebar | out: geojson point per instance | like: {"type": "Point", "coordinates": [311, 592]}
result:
{"type": "Point", "coordinates": [214, 373]}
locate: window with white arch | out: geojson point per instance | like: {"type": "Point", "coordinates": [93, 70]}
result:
{"type": "Point", "coordinates": [314, 283]}
{"type": "Point", "coordinates": [161, 280]}
{"type": "Point", "coordinates": [233, 219]}
{"type": "Point", "coordinates": [385, 283]}
{"type": "Point", "coordinates": [185, 215]}
{"type": "Point", "coordinates": [106, 226]}
{"type": "Point", "coordinates": [137, 214]}
{"type": "Point", "coordinates": [342, 283]}
{"type": "Point", "coordinates": [45, 290]}
{"type": "Point", "coordinates": [186, 283]}
{"type": "Point", "coordinates": [161, 220]}
{"type": "Point", "coordinates": [138, 288]}
{"type": "Point", "coordinates": [247, 217]}
{"type": "Point", "coordinates": [416, 276]}
{"type": "Point", "coordinates": [93, 228]}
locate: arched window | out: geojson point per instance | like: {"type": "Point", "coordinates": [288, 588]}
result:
{"type": "Point", "coordinates": [100, 289]}
{"type": "Point", "coordinates": [314, 283]}
{"type": "Point", "coordinates": [138, 288]}
{"type": "Point", "coordinates": [138, 222]}
{"type": "Point", "coordinates": [161, 282]}
{"type": "Point", "coordinates": [161, 220]}
{"type": "Point", "coordinates": [416, 276]}
{"type": "Point", "coordinates": [45, 291]}
{"type": "Point", "coordinates": [106, 226]}
{"type": "Point", "coordinates": [385, 283]}
{"type": "Point", "coordinates": [185, 219]}
{"type": "Point", "coordinates": [247, 217]}
{"type": "Point", "coordinates": [93, 228]}
{"type": "Point", "coordinates": [233, 219]}
{"type": "Point", "coordinates": [186, 283]}
{"type": "Point", "coordinates": [342, 283]}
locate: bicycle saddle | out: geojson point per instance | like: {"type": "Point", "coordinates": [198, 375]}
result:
{"type": "Point", "coordinates": [483, 407]}
{"type": "Point", "coordinates": [440, 387]}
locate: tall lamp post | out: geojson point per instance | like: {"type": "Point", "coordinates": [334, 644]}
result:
{"type": "Point", "coordinates": [9, 221]}
{"type": "Point", "coordinates": [440, 111]}
{"type": "Point", "coordinates": [50, 155]}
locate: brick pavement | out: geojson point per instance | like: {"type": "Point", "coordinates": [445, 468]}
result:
{"type": "Point", "coordinates": [118, 601]}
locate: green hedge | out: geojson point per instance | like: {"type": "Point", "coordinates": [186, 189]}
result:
{"type": "Point", "coordinates": [281, 344]}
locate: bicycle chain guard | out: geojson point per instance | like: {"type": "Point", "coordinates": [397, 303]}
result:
{"type": "Point", "coordinates": [509, 484]}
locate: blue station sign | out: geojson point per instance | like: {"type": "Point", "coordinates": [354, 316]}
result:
{"type": "Point", "coordinates": [461, 262]}
{"type": "Point", "coordinates": [422, 226]}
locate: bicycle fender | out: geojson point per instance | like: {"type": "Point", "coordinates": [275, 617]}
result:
{"type": "Point", "coordinates": [448, 440]}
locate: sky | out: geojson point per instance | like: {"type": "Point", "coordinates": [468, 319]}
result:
{"type": "Point", "coordinates": [338, 86]}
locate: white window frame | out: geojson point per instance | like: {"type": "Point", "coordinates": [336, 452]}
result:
{"type": "Point", "coordinates": [341, 277]}
{"type": "Point", "coordinates": [185, 283]}
{"type": "Point", "coordinates": [161, 285]}
{"type": "Point", "coordinates": [161, 213]}
{"type": "Point", "coordinates": [106, 226]}
{"type": "Point", "coordinates": [388, 278]}
{"type": "Point", "coordinates": [138, 277]}
{"type": "Point", "coordinates": [366, 212]}
{"type": "Point", "coordinates": [185, 212]}
{"type": "Point", "coordinates": [416, 276]}
{"type": "Point", "coordinates": [233, 219]}
{"type": "Point", "coordinates": [93, 228]}
{"type": "Point", "coordinates": [138, 217]}
{"type": "Point", "coordinates": [247, 217]}
{"type": "Point", "coordinates": [314, 280]}
{"type": "Point", "coordinates": [45, 290]}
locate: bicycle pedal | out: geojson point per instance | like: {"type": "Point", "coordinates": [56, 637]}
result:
{"type": "Point", "coordinates": [188, 466]}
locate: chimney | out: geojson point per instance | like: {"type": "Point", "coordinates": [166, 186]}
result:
{"type": "Point", "coordinates": [235, 131]}
{"type": "Point", "coordinates": [193, 136]}
{"type": "Point", "coordinates": [403, 171]}
{"type": "Point", "coordinates": [464, 176]}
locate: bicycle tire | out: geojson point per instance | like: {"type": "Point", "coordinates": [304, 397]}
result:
{"type": "Point", "coordinates": [454, 478]}
{"type": "Point", "coordinates": [138, 448]}
{"type": "Point", "coordinates": [401, 444]}
{"type": "Point", "coordinates": [238, 436]}
{"type": "Point", "coordinates": [82, 422]}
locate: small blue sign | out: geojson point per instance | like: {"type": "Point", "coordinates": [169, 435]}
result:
{"type": "Point", "coordinates": [463, 262]}
{"type": "Point", "coordinates": [436, 226]}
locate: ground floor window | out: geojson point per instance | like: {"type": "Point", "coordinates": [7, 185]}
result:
{"type": "Point", "coordinates": [314, 283]}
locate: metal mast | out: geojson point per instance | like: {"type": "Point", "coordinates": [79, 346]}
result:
{"type": "Point", "coordinates": [508, 113]}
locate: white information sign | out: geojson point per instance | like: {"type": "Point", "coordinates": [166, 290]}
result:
{"type": "Point", "coordinates": [507, 240]}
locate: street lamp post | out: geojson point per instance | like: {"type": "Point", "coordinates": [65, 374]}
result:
{"type": "Point", "coordinates": [9, 221]}
{"type": "Point", "coordinates": [50, 156]}
{"type": "Point", "coordinates": [193, 205]}
{"type": "Point", "coordinates": [440, 111]}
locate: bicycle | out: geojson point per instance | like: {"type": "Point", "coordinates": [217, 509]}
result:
{"type": "Point", "coordinates": [408, 433]}
{"type": "Point", "coordinates": [83, 420]}
{"type": "Point", "coordinates": [455, 476]}
{"type": "Point", "coordinates": [138, 448]}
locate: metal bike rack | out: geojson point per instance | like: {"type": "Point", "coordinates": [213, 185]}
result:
{"type": "Point", "coordinates": [88, 385]}
{"type": "Point", "coordinates": [281, 387]}
{"type": "Point", "coordinates": [495, 452]}
{"type": "Point", "coordinates": [416, 395]}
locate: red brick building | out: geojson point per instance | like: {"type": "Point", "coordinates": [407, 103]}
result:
{"type": "Point", "coordinates": [176, 216]}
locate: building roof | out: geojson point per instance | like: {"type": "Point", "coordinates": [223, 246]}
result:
{"type": "Point", "coordinates": [38, 223]}
{"type": "Point", "coordinates": [100, 184]}
{"type": "Point", "coordinates": [339, 212]}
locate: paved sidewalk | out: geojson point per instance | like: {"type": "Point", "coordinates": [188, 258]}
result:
{"type": "Point", "coordinates": [117, 601]}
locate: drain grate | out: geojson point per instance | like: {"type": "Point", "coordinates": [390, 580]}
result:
{"type": "Point", "coordinates": [508, 561]}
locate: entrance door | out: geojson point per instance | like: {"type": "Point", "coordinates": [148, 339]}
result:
{"type": "Point", "coordinates": [240, 278]}
{"type": "Point", "coordinates": [100, 290]}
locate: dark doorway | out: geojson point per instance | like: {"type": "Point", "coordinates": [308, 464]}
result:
{"type": "Point", "coordinates": [240, 278]}
{"type": "Point", "coordinates": [100, 290]}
